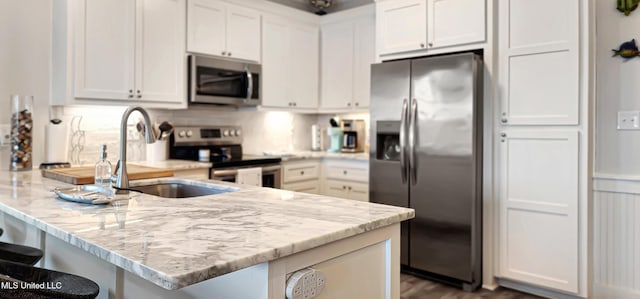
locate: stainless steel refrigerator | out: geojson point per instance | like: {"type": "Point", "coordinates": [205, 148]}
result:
{"type": "Point", "coordinates": [426, 154]}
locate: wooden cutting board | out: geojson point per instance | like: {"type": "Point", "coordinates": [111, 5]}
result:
{"type": "Point", "coordinates": [84, 174]}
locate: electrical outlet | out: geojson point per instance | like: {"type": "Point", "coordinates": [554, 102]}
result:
{"type": "Point", "coordinates": [628, 120]}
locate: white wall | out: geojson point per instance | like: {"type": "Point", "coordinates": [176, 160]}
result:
{"type": "Point", "coordinates": [618, 88]}
{"type": "Point", "coordinates": [25, 55]}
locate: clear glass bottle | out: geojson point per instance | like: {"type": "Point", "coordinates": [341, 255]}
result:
{"type": "Point", "coordinates": [21, 135]}
{"type": "Point", "coordinates": [103, 169]}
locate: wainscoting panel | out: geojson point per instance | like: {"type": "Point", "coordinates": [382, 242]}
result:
{"type": "Point", "coordinates": [616, 240]}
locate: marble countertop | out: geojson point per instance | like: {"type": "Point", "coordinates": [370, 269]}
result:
{"type": "Point", "coordinates": [301, 155]}
{"type": "Point", "coordinates": [178, 242]}
{"type": "Point", "coordinates": [173, 164]}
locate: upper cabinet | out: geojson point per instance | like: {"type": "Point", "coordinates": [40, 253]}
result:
{"type": "Point", "coordinates": [222, 29]}
{"type": "Point", "coordinates": [540, 85]}
{"type": "Point", "coordinates": [290, 64]}
{"type": "Point", "coordinates": [348, 50]}
{"type": "Point", "coordinates": [401, 26]}
{"type": "Point", "coordinates": [112, 51]}
{"type": "Point", "coordinates": [415, 25]}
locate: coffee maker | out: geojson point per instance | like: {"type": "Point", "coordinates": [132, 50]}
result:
{"type": "Point", "coordinates": [354, 130]}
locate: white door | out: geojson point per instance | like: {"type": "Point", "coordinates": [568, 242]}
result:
{"type": "Point", "coordinates": [303, 78]}
{"type": "Point", "coordinates": [206, 27]}
{"type": "Point", "coordinates": [243, 33]}
{"type": "Point", "coordinates": [104, 49]}
{"type": "Point", "coordinates": [160, 50]}
{"type": "Point", "coordinates": [364, 56]}
{"type": "Point", "coordinates": [401, 26]}
{"type": "Point", "coordinates": [337, 65]}
{"type": "Point", "coordinates": [539, 208]}
{"type": "Point", "coordinates": [275, 61]}
{"type": "Point", "coordinates": [539, 60]}
{"type": "Point", "coordinates": [455, 22]}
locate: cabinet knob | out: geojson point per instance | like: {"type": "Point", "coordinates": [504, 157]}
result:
{"type": "Point", "coordinates": [139, 96]}
{"type": "Point", "coordinates": [131, 95]}
{"type": "Point", "coordinates": [430, 45]}
{"type": "Point", "coordinates": [421, 45]}
{"type": "Point", "coordinates": [504, 120]}
{"type": "Point", "coordinates": [503, 134]}
{"type": "Point", "coordinates": [357, 104]}
{"type": "Point", "coordinates": [344, 172]}
{"type": "Point", "coordinates": [349, 104]}
{"type": "Point", "coordinates": [302, 172]}
{"type": "Point", "coordinates": [349, 188]}
{"type": "Point", "coordinates": [229, 54]}
{"type": "Point", "coordinates": [294, 104]}
{"type": "Point", "coordinates": [344, 187]}
{"type": "Point", "coordinates": [224, 53]}
{"type": "Point", "coordinates": [130, 90]}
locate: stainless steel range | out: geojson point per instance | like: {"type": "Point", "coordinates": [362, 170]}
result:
{"type": "Point", "coordinates": [222, 145]}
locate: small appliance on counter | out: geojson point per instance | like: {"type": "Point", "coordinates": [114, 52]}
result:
{"type": "Point", "coordinates": [336, 136]}
{"type": "Point", "coordinates": [223, 144]}
{"type": "Point", "coordinates": [353, 139]}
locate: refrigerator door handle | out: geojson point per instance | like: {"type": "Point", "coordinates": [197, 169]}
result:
{"type": "Point", "coordinates": [403, 140]}
{"type": "Point", "coordinates": [412, 142]}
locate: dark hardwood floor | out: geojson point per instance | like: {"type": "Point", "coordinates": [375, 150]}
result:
{"type": "Point", "coordinates": [412, 287]}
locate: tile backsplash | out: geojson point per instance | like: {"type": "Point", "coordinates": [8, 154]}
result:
{"type": "Point", "coordinates": [264, 131]}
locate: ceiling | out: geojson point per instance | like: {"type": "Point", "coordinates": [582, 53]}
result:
{"type": "Point", "coordinates": [338, 5]}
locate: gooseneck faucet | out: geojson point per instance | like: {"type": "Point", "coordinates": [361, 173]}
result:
{"type": "Point", "coordinates": [122, 177]}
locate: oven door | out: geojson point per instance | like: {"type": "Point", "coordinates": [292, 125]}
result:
{"type": "Point", "coordinates": [270, 175]}
{"type": "Point", "coordinates": [214, 81]}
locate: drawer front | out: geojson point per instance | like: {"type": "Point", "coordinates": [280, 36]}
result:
{"type": "Point", "coordinates": [312, 186]}
{"type": "Point", "coordinates": [348, 190]}
{"type": "Point", "coordinates": [300, 172]}
{"type": "Point", "coordinates": [351, 171]}
{"type": "Point", "coordinates": [358, 191]}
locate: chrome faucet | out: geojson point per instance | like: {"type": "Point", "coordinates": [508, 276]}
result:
{"type": "Point", "coordinates": [122, 178]}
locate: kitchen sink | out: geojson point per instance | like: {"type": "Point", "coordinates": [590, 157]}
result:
{"type": "Point", "coordinates": [182, 190]}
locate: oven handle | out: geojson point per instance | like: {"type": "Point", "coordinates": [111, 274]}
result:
{"type": "Point", "coordinates": [234, 172]}
{"type": "Point", "coordinates": [193, 81]}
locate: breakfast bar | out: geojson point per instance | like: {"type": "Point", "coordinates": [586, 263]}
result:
{"type": "Point", "coordinates": [244, 243]}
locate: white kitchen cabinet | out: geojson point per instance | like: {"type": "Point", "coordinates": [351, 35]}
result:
{"type": "Point", "coordinates": [539, 57]}
{"type": "Point", "coordinates": [539, 208]}
{"type": "Point", "coordinates": [401, 26]}
{"type": "Point", "coordinates": [289, 64]}
{"type": "Point", "coordinates": [222, 29]}
{"type": "Point", "coordinates": [455, 22]}
{"type": "Point", "coordinates": [418, 25]}
{"type": "Point", "coordinates": [346, 179]}
{"type": "Point", "coordinates": [122, 52]}
{"type": "Point", "coordinates": [348, 50]}
{"type": "Point", "coordinates": [337, 65]}
{"type": "Point", "coordinates": [104, 49]}
{"type": "Point", "coordinates": [301, 176]}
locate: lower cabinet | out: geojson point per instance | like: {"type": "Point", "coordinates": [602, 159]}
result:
{"type": "Point", "coordinates": [346, 189]}
{"type": "Point", "coordinates": [346, 179]}
{"type": "Point", "coordinates": [539, 198]}
{"type": "Point", "coordinates": [301, 176]}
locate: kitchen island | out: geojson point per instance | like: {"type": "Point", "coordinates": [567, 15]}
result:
{"type": "Point", "coordinates": [241, 244]}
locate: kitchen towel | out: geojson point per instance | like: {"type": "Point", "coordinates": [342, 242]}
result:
{"type": "Point", "coordinates": [249, 176]}
{"type": "Point", "coordinates": [56, 140]}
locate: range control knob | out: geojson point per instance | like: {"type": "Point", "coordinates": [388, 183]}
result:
{"type": "Point", "coordinates": [182, 134]}
{"type": "Point", "coordinates": [189, 133]}
{"type": "Point", "coordinates": [225, 133]}
{"type": "Point", "coordinates": [238, 132]}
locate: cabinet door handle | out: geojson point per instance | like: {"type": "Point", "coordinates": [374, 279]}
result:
{"type": "Point", "coordinates": [139, 96]}
{"type": "Point", "coordinates": [504, 120]}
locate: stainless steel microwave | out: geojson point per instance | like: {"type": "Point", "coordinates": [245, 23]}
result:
{"type": "Point", "coordinates": [223, 82]}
